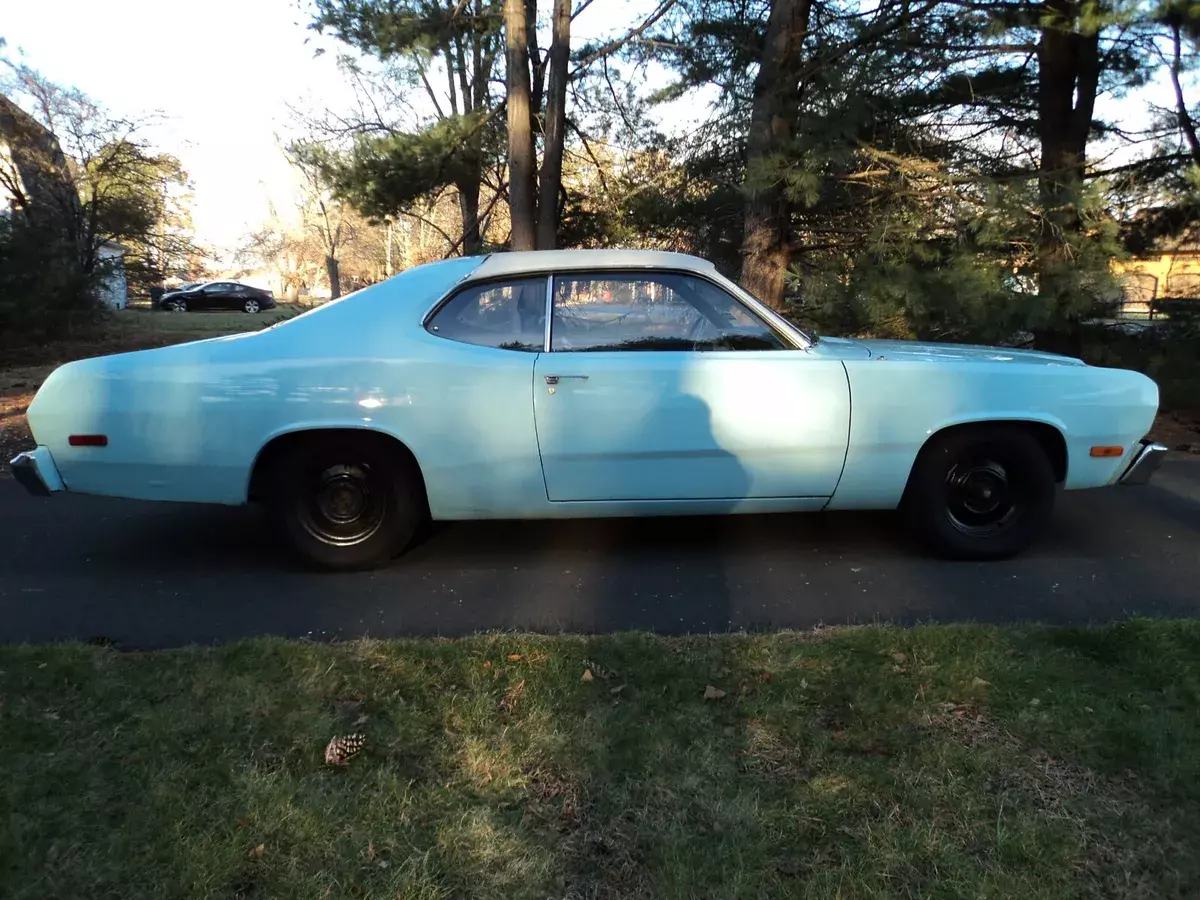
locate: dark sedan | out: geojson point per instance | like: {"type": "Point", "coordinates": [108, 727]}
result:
{"type": "Point", "coordinates": [218, 295]}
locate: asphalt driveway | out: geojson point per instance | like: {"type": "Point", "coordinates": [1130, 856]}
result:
{"type": "Point", "coordinates": [153, 575]}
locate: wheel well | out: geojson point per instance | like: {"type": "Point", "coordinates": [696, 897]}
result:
{"type": "Point", "coordinates": [284, 443]}
{"type": "Point", "coordinates": [1053, 444]}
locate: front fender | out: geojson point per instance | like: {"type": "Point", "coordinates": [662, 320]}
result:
{"type": "Point", "coordinates": [898, 405]}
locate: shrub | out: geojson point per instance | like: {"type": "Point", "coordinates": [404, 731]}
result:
{"type": "Point", "coordinates": [44, 290]}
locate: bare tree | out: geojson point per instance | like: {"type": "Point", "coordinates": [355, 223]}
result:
{"type": "Point", "coordinates": [93, 176]}
{"type": "Point", "coordinates": [323, 214]}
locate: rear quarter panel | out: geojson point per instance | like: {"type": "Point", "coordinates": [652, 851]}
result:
{"type": "Point", "coordinates": [897, 405]}
{"type": "Point", "coordinates": [187, 422]}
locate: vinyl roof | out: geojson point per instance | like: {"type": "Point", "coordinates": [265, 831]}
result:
{"type": "Point", "coordinates": [516, 263]}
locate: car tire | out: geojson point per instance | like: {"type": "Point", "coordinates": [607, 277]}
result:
{"type": "Point", "coordinates": [251, 306]}
{"type": "Point", "coordinates": [178, 306]}
{"type": "Point", "coordinates": [983, 492]}
{"type": "Point", "coordinates": [346, 502]}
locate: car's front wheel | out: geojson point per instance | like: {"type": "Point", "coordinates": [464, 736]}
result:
{"type": "Point", "coordinates": [983, 492]}
{"type": "Point", "coordinates": [346, 501]}
{"type": "Point", "coordinates": [178, 305]}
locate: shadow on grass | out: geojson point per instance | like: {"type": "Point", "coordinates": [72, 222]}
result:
{"type": "Point", "coordinates": [941, 761]}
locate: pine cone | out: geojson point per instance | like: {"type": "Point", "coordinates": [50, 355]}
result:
{"type": "Point", "coordinates": [598, 670]}
{"type": "Point", "coordinates": [343, 749]}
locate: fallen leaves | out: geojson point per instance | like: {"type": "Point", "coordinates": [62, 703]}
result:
{"type": "Point", "coordinates": [587, 675]}
{"type": "Point", "coordinates": [713, 693]}
{"type": "Point", "coordinates": [257, 852]}
{"type": "Point", "coordinates": [512, 697]}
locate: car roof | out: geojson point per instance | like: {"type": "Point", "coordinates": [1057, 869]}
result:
{"type": "Point", "coordinates": [530, 261]}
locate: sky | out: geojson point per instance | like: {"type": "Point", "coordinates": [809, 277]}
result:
{"type": "Point", "coordinates": [222, 77]}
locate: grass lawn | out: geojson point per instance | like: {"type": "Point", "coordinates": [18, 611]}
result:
{"type": "Point", "coordinates": [868, 762]}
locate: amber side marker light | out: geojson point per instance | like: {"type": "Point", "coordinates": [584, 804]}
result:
{"type": "Point", "coordinates": [88, 440]}
{"type": "Point", "coordinates": [1107, 451]}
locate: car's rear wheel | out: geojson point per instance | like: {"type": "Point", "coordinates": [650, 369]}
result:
{"type": "Point", "coordinates": [345, 501]}
{"type": "Point", "coordinates": [983, 492]}
{"type": "Point", "coordinates": [251, 305]}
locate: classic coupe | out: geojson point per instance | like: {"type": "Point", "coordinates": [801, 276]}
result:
{"type": "Point", "coordinates": [585, 383]}
{"type": "Point", "coordinates": [217, 295]}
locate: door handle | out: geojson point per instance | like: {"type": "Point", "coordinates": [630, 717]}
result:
{"type": "Point", "coordinates": [555, 379]}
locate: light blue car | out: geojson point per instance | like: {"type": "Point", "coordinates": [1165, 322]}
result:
{"type": "Point", "coordinates": [578, 384]}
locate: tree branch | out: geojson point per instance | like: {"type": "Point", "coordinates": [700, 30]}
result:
{"type": "Point", "coordinates": [614, 45]}
{"type": "Point", "coordinates": [428, 87]}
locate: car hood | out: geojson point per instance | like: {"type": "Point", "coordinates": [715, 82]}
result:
{"type": "Point", "coordinates": [916, 351]}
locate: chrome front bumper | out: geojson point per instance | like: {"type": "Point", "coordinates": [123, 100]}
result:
{"type": "Point", "coordinates": [36, 472]}
{"type": "Point", "coordinates": [1145, 463]}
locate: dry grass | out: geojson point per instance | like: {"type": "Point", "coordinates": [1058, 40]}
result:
{"type": "Point", "coordinates": [1179, 431]}
{"type": "Point", "coordinates": [870, 762]}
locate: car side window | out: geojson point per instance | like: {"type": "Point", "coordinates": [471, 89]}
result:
{"type": "Point", "coordinates": [508, 315]}
{"type": "Point", "coordinates": [660, 311]}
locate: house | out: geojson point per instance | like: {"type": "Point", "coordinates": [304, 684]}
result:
{"type": "Point", "coordinates": [112, 291]}
{"type": "Point", "coordinates": [1159, 274]}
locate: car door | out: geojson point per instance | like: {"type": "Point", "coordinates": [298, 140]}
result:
{"type": "Point", "coordinates": [221, 295]}
{"type": "Point", "coordinates": [664, 386]}
{"type": "Point", "coordinates": [473, 408]}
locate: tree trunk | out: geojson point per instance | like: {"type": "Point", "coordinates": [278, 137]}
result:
{"type": "Point", "coordinates": [468, 205]}
{"type": "Point", "coordinates": [1186, 125]}
{"type": "Point", "coordinates": [550, 183]}
{"type": "Point", "coordinates": [1068, 76]}
{"type": "Point", "coordinates": [767, 244]}
{"type": "Point", "coordinates": [537, 69]}
{"type": "Point", "coordinates": [521, 203]}
{"type": "Point", "coordinates": [335, 282]}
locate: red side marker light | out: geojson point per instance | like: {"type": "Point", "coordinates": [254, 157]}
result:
{"type": "Point", "coordinates": [88, 440]}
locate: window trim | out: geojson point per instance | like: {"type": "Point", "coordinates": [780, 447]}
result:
{"type": "Point", "coordinates": [790, 334]}
{"type": "Point", "coordinates": [483, 283]}
{"type": "Point", "coordinates": [785, 336]}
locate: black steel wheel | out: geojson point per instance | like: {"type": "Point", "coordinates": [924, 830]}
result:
{"type": "Point", "coordinates": [980, 492]}
{"type": "Point", "coordinates": [346, 501]}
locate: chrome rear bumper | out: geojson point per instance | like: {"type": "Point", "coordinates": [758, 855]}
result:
{"type": "Point", "coordinates": [36, 472]}
{"type": "Point", "coordinates": [1145, 462]}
